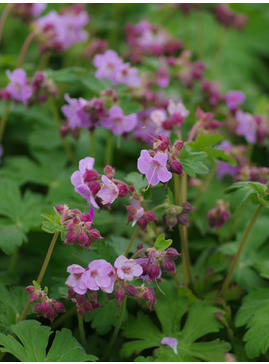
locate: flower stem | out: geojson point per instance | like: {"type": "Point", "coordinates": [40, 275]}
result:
{"type": "Point", "coordinates": [109, 148]}
{"type": "Point", "coordinates": [193, 131]}
{"type": "Point", "coordinates": [92, 143]}
{"type": "Point", "coordinates": [3, 121]}
{"type": "Point", "coordinates": [132, 240]}
{"type": "Point", "coordinates": [44, 60]}
{"type": "Point", "coordinates": [187, 276]}
{"type": "Point", "coordinates": [153, 226]}
{"type": "Point", "coordinates": [117, 328]}
{"type": "Point", "coordinates": [13, 261]}
{"type": "Point", "coordinates": [239, 251]}
{"type": "Point", "coordinates": [3, 18]}
{"type": "Point", "coordinates": [24, 48]}
{"type": "Point", "coordinates": [66, 145]}
{"type": "Point", "coordinates": [42, 272]}
{"type": "Point", "coordinates": [82, 332]}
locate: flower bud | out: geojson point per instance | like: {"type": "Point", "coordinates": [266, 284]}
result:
{"type": "Point", "coordinates": [94, 234]}
{"type": "Point", "coordinates": [30, 289]}
{"type": "Point", "coordinates": [59, 208]}
{"type": "Point", "coordinates": [178, 144]}
{"type": "Point", "coordinates": [120, 294]}
{"type": "Point", "coordinates": [70, 237]}
{"type": "Point", "coordinates": [169, 220]}
{"type": "Point", "coordinates": [59, 306]}
{"type": "Point", "coordinates": [45, 309]}
{"type": "Point", "coordinates": [150, 216]}
{"type": "Point", "coordinates": [34, 297]}
{"type": "Point", "coordinates": [109, 171]}
{"type": "Point", "coordinates": [142, 222]}
{"type": "Point", "coordinates": [123, 189]}
{"type": "Point", "coordinates": [82, 239]}
{"type": "Point", "coordinates": [131, 290]}
{"type": "Point", "coordinates": [169, 266]}
{"type": "Point", "coordinates": [139, 246]}
{"type": "Point", "coordinates": [176, 167]}
{"type": "Point", "coordinates": [187, 207]}
{"type": "Point", "coordinates": [85, 218]}
{"type": "Point", "coordinates": [153, 271]}
{"type": "Point", "coordinates": [150, 299]}
{"type": "Point", "coordinates": [172, 253]}
{"type": "Point", "coordinates": [183, 219]}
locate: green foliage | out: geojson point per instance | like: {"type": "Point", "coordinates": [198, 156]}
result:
{"type": "Point", "coordinates": [161, 243]}
{"type": "Point", "coordinates": [137, 179]}
{"type": "Point", "coordinates": [200, 322]}
{"type": "Point", "coordinates": [19, 215]}
{"type": "Point", "coordinates": [52, 223]}
{"type": "Point", "coordinates": [193, 162]}
{"type": "Point", "coordinates": [254, 313]}
{"type": "Point", "coordinates": [33, 341]}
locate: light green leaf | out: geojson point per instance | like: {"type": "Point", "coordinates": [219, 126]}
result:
{"type": "Point", "coordinates": [137, 179]}
{"type": "Point", "coordinates": [161, 243]}
{"type": "Point", "coordinates": [193, 162]}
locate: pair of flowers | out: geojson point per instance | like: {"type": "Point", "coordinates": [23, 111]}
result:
{"type": "Point", "coordinates": [102, 275]}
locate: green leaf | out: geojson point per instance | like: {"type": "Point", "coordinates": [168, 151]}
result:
{"type": "Point", "coordinates": [199, 322]}
{"type": "Point", "coordinates": [52, 224]}
{"type": "Point", "coordinates": [161, 243]}
{"type": "Point", "coordinates": [137, 179]}
{"type": "Point", "coordinates": [239, 193]}
{"type": "Point", "coordinates": [33, 341]}
{"type": "Point", "coordinates": [193, 162]}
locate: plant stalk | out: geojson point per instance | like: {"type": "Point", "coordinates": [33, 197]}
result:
{"type": "Point", "coordinates": [109, 148]}
{"type": "Point", "coordinates": [82, 332]}
{"type": "Point", "coordinates": [4, 17]}
{"type": "Point", "coordinates": [132, 240]}
{"type": "Point", "coordinates": [24, 48]}
{"type": "Point", "coordinates": [239, 251]}
{"type": "Point", "coordinates": [117, 328]}
{"type": "Point", "coordinates": [3, 121]}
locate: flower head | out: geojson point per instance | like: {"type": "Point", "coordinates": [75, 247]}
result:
{"type": "Point", "coordinates": [74, 112]}
{"type": "Point", "coordinates": [127, 269]}
{"type": "Point", "coordinates": [100, 275]}
{"type": "Point", "coordinates": [234, 99]}
{"type": "Point", "coordinates": [75, 279]}
{"type": "Point", "coordinates": [109, 192]}
{"type": "Point", "coordinates": [246, 126]}
{"type": "Point", "coordinates": [117, 122]}
{"type": "Point", "coordinates": [18, 87]}
{"type": "Point", "coordinates": [154, 167]}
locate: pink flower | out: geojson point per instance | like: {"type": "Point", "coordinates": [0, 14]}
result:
{"type": "Point", "coordinates": [109, 192]}
{"type": "Point", "coordinates": [163, 78]}
{"type": "Point", "coordinates": [18, 88]}
{"type": "Point", "coordinates": [234, 99]}
{"type": "Point", "coordinates": [107, 64]}
{"type": "Point", "coordinates": [75, 280]}
{"type": "Point", "coordinates": [178, 109]}
{"type": "Point", "coordinates": [127, 269]}
{"type": "Point", "coordinates": [154, 168]}
{"type": "Point", "coordinates": [74, 112]}
{"type": "Point", "coordinates": [128, 75]}
{"type": "Point", "coordinates": [100, 275]}
{"type": "Point", "coordinates": [170, 341]}
{"type": "Point", "coordinates": [79, 180]}
{"type": "Point", "coordinates": [246, 126]}
{"type": "Point", "coordinates": [117, 122]}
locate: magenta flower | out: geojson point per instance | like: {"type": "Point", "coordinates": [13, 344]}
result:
{"type": "Point", "coordinates": [246, 126]}
{"type": "Point", "coordinates": [74, 112]}
{"type": "Point", "coordinates": [75, 280]}
{"type": "Point", "coordinates": [154, 168]}
{"type": "Point", "coordinates": [127, 269]}
{"type": "Point", "coordinates": [109, 192]}
{"type": "Point", "coordinates": [80, 177]}
{"type": "Point", "coordinates": [117, 122]}
{"type": "Point", "coordinates": [170, 341]}
{"type": "Point", "coordinates": [18, 88]}
{"type": "Point", "coordinates": [234, 99]}
{"type": "Point", "coordinates": [100, 275]}
{"type": "Point", "coordinates": [107, 64]}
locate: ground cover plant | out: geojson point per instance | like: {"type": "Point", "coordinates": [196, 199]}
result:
{"type": "Point", "coordinates": [134, 182]}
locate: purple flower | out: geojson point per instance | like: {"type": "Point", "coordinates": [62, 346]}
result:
{"type": "Point", "coordinates": [234, 99]}
{"type": "Point", "coordinates": [163, 78]}
{"type": "Point", "coordinates": [170, 341]}
{"type": "Point", "coordinates": [107, 64]}
{"type": "Point", "coordinates": [37, 9]}
{"type": "Point", "coordinates": [74, 112]}
{"type": "Point", "coordinates": [78, 180]}
{"type": "Point", "coordinates": [18, 88]}
{"type": "Point", "coordinates": [128, 76]}
{"type": "Point", "coordinates": [100, 275]}
{"type": "Point", "coordinates": [127, 269]}
{"type": "Point", "coordinates": [109, 192]}
{"type": "Point", "coordinates": [154, 168]}
{"type": "Point", "coordinates": [178, 109]}
{"type": "Point", "coordinates": [225, 168]}
{"type": "Point", "coordinates": [246, 126]}
{"type": "Point", "coordinates": [117, 122]}
{"type": "Point", "coordinates": [75, 280]}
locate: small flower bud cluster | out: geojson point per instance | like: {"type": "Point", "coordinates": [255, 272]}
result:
{"type": "Point", "coordinates": [78, 226]}
{"type": "Point", "coordinates": [177, 215]}
{"type": "Point", "coordinates": [206, 120]}
{"type": "Point", "coordinates": [46, 307]}
{"type": "Point", "coordinates": [211, 92]}
{"type": "Point", "coordinates": [257, 174]}
{"type": "Point", "coordinates": [28, 11]}
{"type": "Point", "coordinates": [229, 18]}
{"type": "Point", "coordinates": [139, 216]}
{"type": "Point", "coordinates": [42, 88]}
{"type": "Point", "coordinates": [218, 216]}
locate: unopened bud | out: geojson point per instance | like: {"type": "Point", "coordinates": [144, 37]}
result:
{"type": "Point", "coordinates": [153, 271]}
{"type": "Point", "coordinates": [83, 239]}
{"type": "Point", "coordinates": [70, 237]}
{"type": "Point", "coordinates": [34, 297]}
{"type": "Point", "coordinates": [95, 235]}
{"type": "Point", "coordinates": [178, 144]}
{"type": "Point", "coordinates": [59, 306]}
{"type": "Point", "coordinates": [150, 216]}
{"type": "Point", "coordinates": [120, 294]}
{"type": "Point", "coordinates": [169, 266]}
{"type": "Point", "coordinates": [109, 171]}
{"type": "Point", "coordinates": [30, 289]}
{"type": "Point", "coordinates": [142, 222]}
{"type": "Point", "coordinates": [172, 253]}
{"type": "Point", "coordinates": [183, 219]}
{"type": "Point", "coordinates": [123, 189]}
{"type": "Point", "coordinates": [131, 290]}
{"type": "Point", "coordinates": [187, 207]}
{"type": "Point", "coordinates": [176, 167]}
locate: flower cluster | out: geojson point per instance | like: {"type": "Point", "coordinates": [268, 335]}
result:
{"type": "Point", "coordinates": [60, 31]}
{"type": "Point", "coordinates": [177, 214]}
{"type": "Point", "coordinates": [22, 89]}
{"type": "Point", "coordinates": [78, 226]}
{"type": "Point", "coordinates": [110, 66]}
{"type": "Point", "coordinates": [97, 192]}
{"type": "Point", "coordinates": [46, 307]}
{"type": "Point", "coordinates": [140, 216]}
{"type": "Point", "coordinates": [219, 215]}
{"type": "Point", "coordinates": [229, 18]}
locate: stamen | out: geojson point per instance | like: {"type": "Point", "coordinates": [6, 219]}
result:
{"type": "Point", "coordinates": [151, 178]}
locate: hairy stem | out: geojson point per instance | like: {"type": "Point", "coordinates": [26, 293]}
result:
{"type": "Point", "coordinates": [117, 328]}
{"type": "Point", "coordinates": [24, 48]}
{"type": "Point", "coordinates": [82, 332]}
{"type": "Point", "coordinates": [42, 272]}
{"type": "Point", "coordinates": [66, 145]}
{"type": "Point", "coordinates": [132, 240]}
{"type": "Point", "coordinates": [239, 251]}
{"type": "Point", "coordinates": [3, 121]}
{"type": "Point", "coordinates": [3, 18]}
